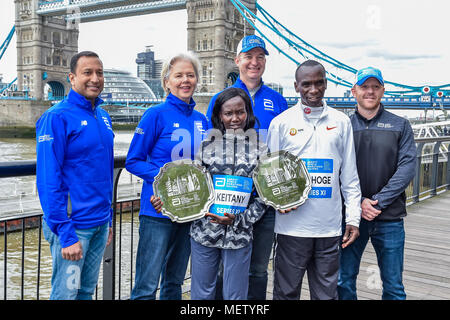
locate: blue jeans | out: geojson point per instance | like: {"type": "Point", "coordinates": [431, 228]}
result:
{"type": "Point", "coordinates": [388, 240]}
{"type": "Point", "coordinates": [205, 267]}
{"type": "Point", "coordinates": [263, 238]}
{"type": "Point", "coordinates": [163, 250]}
{"type": "Point", "coordinates": [76, 280]}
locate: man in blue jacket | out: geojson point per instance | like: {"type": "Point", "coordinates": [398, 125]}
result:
{"type": "Point", "coordinates": [267, 104]}
{"type": "Point", "coordinates": [386, 160]}
{"type": "Point", "coordinates": [74, 176]}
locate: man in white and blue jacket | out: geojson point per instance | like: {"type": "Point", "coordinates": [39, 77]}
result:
{"type": "Point", "coordinates": [267, 104]}
{"type": "Point", "coordinates": [74, 177]}
{"type": "Point", "coordinates": [386, 161]}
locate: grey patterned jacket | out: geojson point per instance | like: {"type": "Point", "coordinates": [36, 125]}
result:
{"type": "Point", "coordinates": [230, 154]}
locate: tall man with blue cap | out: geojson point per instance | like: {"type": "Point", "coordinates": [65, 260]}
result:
{"type": "Point", "coordinates": [386, 160]}
{"type": "Point", "coordinates": [250, 58]}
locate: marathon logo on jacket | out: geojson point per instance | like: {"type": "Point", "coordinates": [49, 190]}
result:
{"type": "Point", "coordinates": [106, 121]}
{"type": "Point", "coordinates": [321, 172]}
{"type": "Point", "coordinates": [199, 126]}
{"type": "Point", "coordinates": [268, 105]}
{"type": "Point", "coordinates": [203, 133]}
{"type": "Point", "coordinates": [232, 194]}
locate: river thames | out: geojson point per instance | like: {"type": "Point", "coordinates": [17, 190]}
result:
{"type": "Point", "coordinates": [18, 194]}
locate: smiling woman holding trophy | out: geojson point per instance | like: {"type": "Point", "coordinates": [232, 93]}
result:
{"type": "Point", "coordinates": [164, 246]}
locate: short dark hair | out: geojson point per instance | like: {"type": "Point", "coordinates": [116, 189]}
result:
{"type": "Point", "coordinates": [223, 97]}
{"type": "Point", "coordinates": [75, 58]}
{"type": "Point", "coordinates": [310, 63]}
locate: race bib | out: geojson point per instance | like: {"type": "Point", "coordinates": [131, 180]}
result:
{"type": "Point", "coordinates": [232, 194]}
{"type": "Point", "coordinates": [321, 172]}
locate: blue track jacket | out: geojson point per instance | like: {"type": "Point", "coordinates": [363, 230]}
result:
{"type": "Point", "coordinates": [74, 146]}
{"type": "Point", "coordinates": [267, 104]}
{"type": "Point", "coordinates": [169, 131]}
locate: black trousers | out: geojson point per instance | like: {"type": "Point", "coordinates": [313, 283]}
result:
{"type": "Point", "coordinates": [295, 255]}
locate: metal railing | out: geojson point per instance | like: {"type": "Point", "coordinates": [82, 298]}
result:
{"type": "Point", "coordinates": [432, 174]}
{"type": "Point", "coordinates": [24, 273]}
{"type": "Point", "coordinates": [26, 262]}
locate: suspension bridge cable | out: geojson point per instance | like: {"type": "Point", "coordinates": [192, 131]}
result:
{"type": "Point", "coordinates": [274, 25]}
{"type": "Point", "coordinates": [266, 15]}
{"type": "Point", "coordinates": [238, 6]}
{"type": "Point", "coordinates": [338, 63]}
{"type": "Point", "coordinates": [7, 41]}
{"type": "Point", "coordinates": [8, 86]}
{"type": "Point", "coordinates": [293, 45]}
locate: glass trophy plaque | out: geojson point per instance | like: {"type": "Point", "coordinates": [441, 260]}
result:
{"type": "Point", "coordinates": [282, 180]}
{"type": "Point", "coordinates": [186, 190]}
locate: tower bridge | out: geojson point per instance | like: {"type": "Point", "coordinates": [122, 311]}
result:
{"type": "Point", "coordinates": [96, 10]}
{"type": "Point", "coordinates": [47, 34]}
{"type": "Point", "coordinates": [47, 37]}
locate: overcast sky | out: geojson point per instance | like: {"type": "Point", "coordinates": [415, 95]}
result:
{"type": "Point", "coordinates": [406, 39]}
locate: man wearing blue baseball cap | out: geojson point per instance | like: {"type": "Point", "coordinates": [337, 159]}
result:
{"type": "Point", "coordinates": [386, 160]}
{"type": "Point", "coordinates": [370, 72]}
{"type": "Point", "coordinates": [250, 42]}
{"type": "Point", "coordinates": [267, 103]}
{"type": "Point", "coordinates": [251, 61]}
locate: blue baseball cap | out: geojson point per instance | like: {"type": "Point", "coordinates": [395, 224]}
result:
{"type": "Point", "coordinates": [370, 72]}
{"type": "Point", "coordinates": [249, 42]}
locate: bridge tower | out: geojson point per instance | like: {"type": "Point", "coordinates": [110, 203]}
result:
{"type": "Point", "coordinates": [44, 47]}
{"type": "Point", "coordinates": [214, 29]}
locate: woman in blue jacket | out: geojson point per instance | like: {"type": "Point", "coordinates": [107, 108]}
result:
{"type": "Point", "coordinates": [170, 131]}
